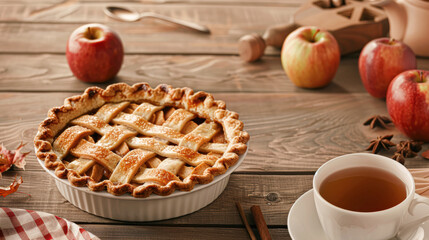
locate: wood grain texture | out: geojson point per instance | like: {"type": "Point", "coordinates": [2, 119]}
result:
{"type": "Point", "coordinates": [52, 38]}
{"type": "Point", "coordinates": [274, 194]}
{"type": "Point", "coordinates": [293, 130]}
{"type": "Point", "coordinates": [289, 132]}
{"type": "Point", "coordinates": [33, 30]}
{"type": "Point", "coordinates": [47, 72]}
{"type": "Point", "coordinates": [212, 2]}
{"type": "Point", "coordinates": [161, 233]}
{"type": "Point", "coordinates": [73, 11]}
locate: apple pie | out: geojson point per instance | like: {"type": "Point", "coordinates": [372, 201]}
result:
{"type": "Point", "coordinates": [140, 140]}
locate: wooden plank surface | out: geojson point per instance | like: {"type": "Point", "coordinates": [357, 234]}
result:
{"type": "Point", "coordinates": [155, 233]}
{"type": "Point", "coordinates": [50, 72]}
{"type": "Point", "coordinates": [142, 40]}
{"type": "Point", "coordinates": [162, 2]}
{"type": "Point", "coordinates": [293, 130]}
{"type": "Point", "coordinates": [47, 72]}
{"type": "Point", "coordinates": [289, 132]}
{"type": "Point", "coordinates": [50, 29]}
{"type": "Point", "coordinates": [248, 189]}
{"type": "Point", "coordinates": [217, 15]}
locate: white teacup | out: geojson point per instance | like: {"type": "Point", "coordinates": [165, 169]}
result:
{"type": "Point", "coordinates": [341, 224]}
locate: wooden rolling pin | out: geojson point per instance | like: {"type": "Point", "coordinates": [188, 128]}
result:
{"type": "Point", "coordinates": [353, 23]}
{"type": "Point", "coordinates": [251, 47]}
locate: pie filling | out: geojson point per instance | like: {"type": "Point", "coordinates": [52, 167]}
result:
{"type": "Point", "coordinates": [139, 143]}
{"type": "Point", "coordinates": [130, 146]}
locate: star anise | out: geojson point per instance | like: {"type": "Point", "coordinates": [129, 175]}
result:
{"type": "Point", "coordinates": [409, 148]}
{"type": "Point", "coordinates": [377, 121]}
{"type": "Point", "coordinates": [399, 157]}
{"type": "Point", "coordinates": [380, 142]}
{"type": "Point", "coordinates": [416, 146]}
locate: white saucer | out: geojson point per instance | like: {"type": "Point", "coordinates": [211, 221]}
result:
{"type": "Point", "coordinates": [303, 222]}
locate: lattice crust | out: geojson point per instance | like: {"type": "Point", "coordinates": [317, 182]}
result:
{"type": "Point", "coordinates": [139, 140]}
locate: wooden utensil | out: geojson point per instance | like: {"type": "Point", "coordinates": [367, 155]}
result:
{"type": "Point", "coordinates": [353, 25]}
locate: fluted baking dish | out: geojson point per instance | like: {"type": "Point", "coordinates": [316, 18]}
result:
{"type": "Point", "coordinates": [152, 208]}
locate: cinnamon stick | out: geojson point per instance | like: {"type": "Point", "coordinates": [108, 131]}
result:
{"type": "Point", "coordinates": [244, 219]}
{"type": "Point", "coordinates": [264, 233]}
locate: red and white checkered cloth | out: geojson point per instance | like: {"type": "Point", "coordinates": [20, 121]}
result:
{"type": "Point", "coordinates": [27, 224]}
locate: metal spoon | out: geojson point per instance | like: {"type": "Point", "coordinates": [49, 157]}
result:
{"type": "Point", "coordinates": [127, 15]}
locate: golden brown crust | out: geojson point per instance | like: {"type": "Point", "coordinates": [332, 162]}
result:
{"type": "Point", "coordinates": [200, 103]}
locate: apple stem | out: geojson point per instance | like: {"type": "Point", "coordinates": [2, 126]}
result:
{"type": "Point", "coordinates": [313, 38]}
{"type": "Point", "coordinates": [391, 41]}
{"type": "Point", "coordinates": [90, 34]}
{"type": "Point", "coordinates": [421, 76]}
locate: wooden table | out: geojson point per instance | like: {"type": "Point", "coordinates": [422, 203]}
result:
{"type": "Point", "coordinates": [293, 131]}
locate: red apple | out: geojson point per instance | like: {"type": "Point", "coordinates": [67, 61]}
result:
{"type": "Point", "coordinates": [408, 103]}
{"type": "Point", "coordinates": [94, 53]}
{"type": "Point", "coordinates": [310, 57]}
{"type": "Point", "coordinates": [380, 61]}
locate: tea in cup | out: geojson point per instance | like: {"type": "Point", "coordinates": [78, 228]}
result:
{"type": "Point", "coordinates": [363, 196]}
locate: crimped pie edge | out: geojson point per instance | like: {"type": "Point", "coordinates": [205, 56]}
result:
{"type": "Point", "coordinates": [200, 103]}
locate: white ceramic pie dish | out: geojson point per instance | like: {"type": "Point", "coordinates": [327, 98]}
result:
{"type": "Point", "coordinates": [152, 208]}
